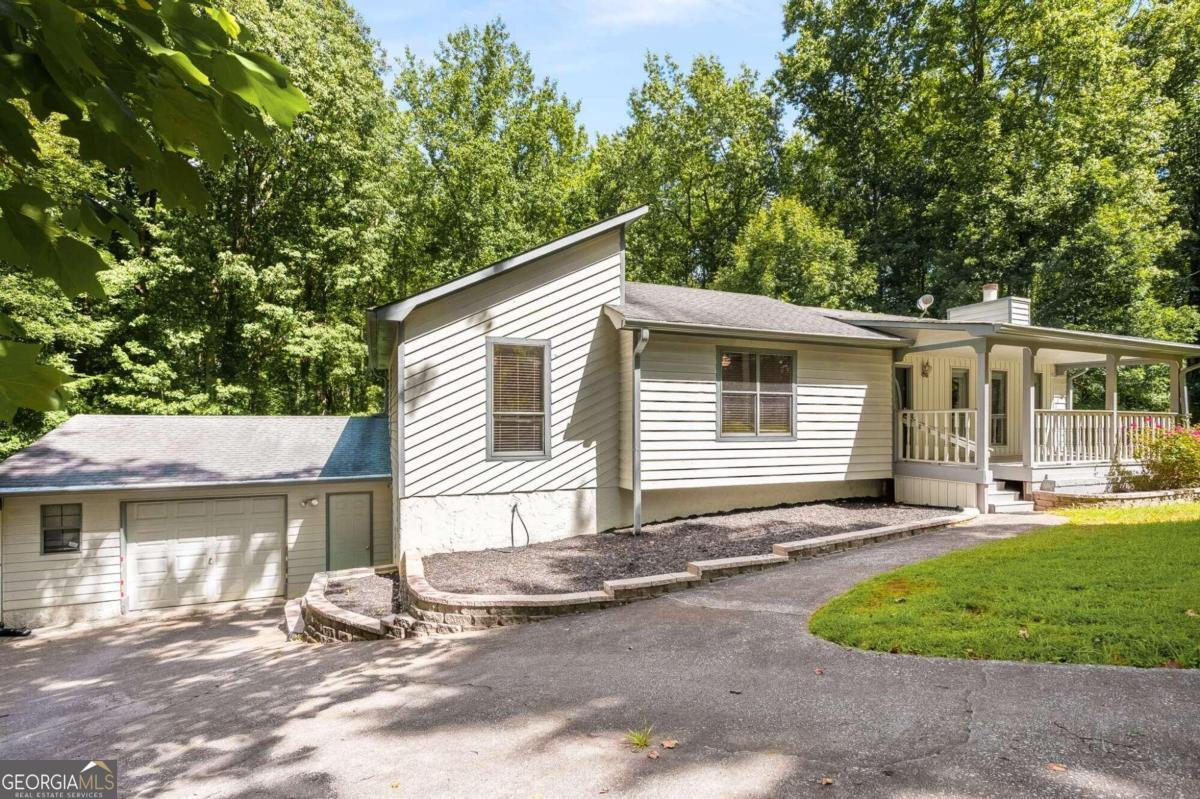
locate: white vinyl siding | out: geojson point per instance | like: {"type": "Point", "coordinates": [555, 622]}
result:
{"type": "Point", "coordinates": [42, 589]}
{"type": "Point", "coordinates": [935, 493]}
{"type": "Point", "coordinates": [842, 417]}
{"type": "Point", "coordinates": [559, 300]}
{"type": "Point", "coordinates": [1011, 310]}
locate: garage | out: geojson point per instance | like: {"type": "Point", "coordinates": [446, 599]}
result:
{"type": "Point", "coordinates": [109, 515]}
{"type": "Point", "coordinates": [186, 552]}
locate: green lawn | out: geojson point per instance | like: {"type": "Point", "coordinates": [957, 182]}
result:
{"type": "Point", "coordinates": [1118, 586]}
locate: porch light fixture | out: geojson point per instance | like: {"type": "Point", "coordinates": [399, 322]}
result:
{"type": "Point", "coordinates": [310, 502]}
{"type": "Point", "coordinates": [925, 368]}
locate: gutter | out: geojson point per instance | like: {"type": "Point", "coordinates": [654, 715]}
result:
{"type": "Point", "coordinates": [685, 328]}
{"type": "Point", "coordinates": [24, 491]}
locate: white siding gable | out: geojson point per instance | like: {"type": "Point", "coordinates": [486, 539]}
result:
{"type": "Point", "coordinates": [560, 299]}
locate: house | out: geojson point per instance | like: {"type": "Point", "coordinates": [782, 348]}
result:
{"type": "Point", "coordinates": [546, 396]}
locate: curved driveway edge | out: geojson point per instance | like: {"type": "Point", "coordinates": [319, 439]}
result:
{"type": "Point", "coordinates": [222, 707]}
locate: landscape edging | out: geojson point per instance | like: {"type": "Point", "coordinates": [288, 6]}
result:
{"type": "Point", "coordinates": [321, 621]}
{"type": "Point", "coordinates": [435, 611]}
{"type": "Point", "coordinates": [1049, 500]}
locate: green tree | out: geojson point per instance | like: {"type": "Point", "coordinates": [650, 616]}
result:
{"type": "Point", "coordinates": [786, 252]}
{"type": "Point", "coordinates": [144, 87]}
{"type": "Point", "coordinates": [493, 158]}
{"type": "Point", "coordinates": [990, 140]}
{"type": "Point", "coordinates": [702, 151]}
{"type": "Point", "coordinates": [255, 304]}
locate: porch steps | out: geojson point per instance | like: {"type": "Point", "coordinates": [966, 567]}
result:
{"type": "Point", "coordinates": [1002, 499]}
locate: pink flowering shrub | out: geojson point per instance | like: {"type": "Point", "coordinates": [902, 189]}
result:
{"type": "Point", "coordinates": [1172, 459]}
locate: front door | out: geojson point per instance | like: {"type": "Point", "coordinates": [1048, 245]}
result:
{"type": "Point", "coordinates": [349, 533]}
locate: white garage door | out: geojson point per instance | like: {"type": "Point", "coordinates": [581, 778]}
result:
{"type": "Point", "coordinates": [183, 552]}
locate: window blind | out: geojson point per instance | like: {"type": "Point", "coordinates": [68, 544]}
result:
{"type": "Point", "coordinates": [756, 394]}
{"type": "Point", "coordinates": [518, 399]}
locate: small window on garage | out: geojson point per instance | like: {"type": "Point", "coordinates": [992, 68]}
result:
{"type": "Point", "coordinates": [60, 527]}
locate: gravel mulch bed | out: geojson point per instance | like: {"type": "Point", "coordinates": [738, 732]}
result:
{"type": "Point", "coordinates": [370, 596]}
{"type": "Point", "coordinates": [582, 563]}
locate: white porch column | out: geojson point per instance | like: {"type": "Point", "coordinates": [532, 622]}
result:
{"type": "Point", "coordinates": [641, 338]}
{"type": "Point", "coordinates": [1174, 367]}
{"type": "Point", "coordinates": [1111, 362]}
{"type": "Point", "coordinates": [983, 420]}
{"type": "Point", "coordinates": [1028, 407]}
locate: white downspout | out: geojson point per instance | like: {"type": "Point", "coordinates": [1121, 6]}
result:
{"type": "Point", "coordinates": [642, 338]}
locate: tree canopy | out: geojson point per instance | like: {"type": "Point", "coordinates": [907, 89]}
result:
{"type": "Point", "coordinates": [149, 89]}
{"type": "Point", "coordinates": [181, 237]}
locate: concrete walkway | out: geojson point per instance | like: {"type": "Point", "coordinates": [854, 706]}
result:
{"type": "Point", "coordinates": [221, 706]}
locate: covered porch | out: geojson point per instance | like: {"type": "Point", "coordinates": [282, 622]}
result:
{"type": "Point", "coordinates": [994, 405]}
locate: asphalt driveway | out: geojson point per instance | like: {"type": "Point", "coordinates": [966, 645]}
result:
{"type": "Point", "coordinates": [222, 706]}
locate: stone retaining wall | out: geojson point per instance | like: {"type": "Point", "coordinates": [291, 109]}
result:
{"type": "Point", "coordinates": [431, 611]}
{"type": "Point", "coordinates": [1049, 500]}
{"type": "Point", "coordinates": [321, 621]}
{"type": "Point", "coordinates": [435, 611]}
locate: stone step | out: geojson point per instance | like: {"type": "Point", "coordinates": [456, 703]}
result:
{"type": "Point", "coordinates": [1011, 507]}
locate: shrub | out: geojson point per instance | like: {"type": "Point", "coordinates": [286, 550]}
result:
{"type": "Point", "coordinates": [1172, 459]}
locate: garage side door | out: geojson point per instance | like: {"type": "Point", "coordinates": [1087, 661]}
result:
{"type": "Point", "coordinates": [185, 552]}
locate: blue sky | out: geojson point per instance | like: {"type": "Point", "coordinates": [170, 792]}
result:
{"type": "Point", "coordinates": [593, 48]}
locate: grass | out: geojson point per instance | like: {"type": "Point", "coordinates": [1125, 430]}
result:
{"type": "Point", "coordinates": [1117, 586]}
{"type": "Point", "coordinates": [640, 738]}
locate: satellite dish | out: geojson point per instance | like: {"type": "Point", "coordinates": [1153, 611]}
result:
{"type": "Point", "coordinates": [924, 302]}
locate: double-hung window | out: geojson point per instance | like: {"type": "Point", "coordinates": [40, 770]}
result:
{"type": "Point", "coordinates": [756, 394]}
{"type": "Point", "coordinates": [518, 399]}
{"type": "Point", "coordinates": [60, 527]}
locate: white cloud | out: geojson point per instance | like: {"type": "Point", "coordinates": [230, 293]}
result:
{"type": "Point", "coordinates": [644, 13]}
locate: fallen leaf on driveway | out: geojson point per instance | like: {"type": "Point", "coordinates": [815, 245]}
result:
{"type": "Point", "coordinates": [818, 671]}
{"type": "Point", "coordinates": [827, 780]}
{"type": "Point", "coordinates": [670, 743]}
{"type": "Point", "coordinates": [737, 693]}
{"type": "Point", "coordinates": [652, 754]}
{"type": "Point", "coordinates": [1056, 767]}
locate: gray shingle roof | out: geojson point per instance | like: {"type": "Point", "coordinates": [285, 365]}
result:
{"type": "Point", "coordinates": [647, 302]}
{"type": "Point", "coordinates": [94, 452]}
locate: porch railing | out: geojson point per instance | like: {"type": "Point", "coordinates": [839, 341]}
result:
{"type": "Point", "coordinates": [1087, 436]}
{"type": "Point", "coordinates": [936, 436]}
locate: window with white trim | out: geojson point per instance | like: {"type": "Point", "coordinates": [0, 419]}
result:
{"type": "Point", "coordinates": [518, 388]}
{"type": "Point", "coordinates": [61, 525]}
{"type": "Point", "coordinates": [757, 398]}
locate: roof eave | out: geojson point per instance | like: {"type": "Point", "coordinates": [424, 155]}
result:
{"type": "Point", "coordinates": [1099, 342]}
{"type": "Point", "coordinates": [625, 323]}
{"type": "Point", "coordinates": [397, 311]}
{"type": "Point", "coordinates": [1048, 336]}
